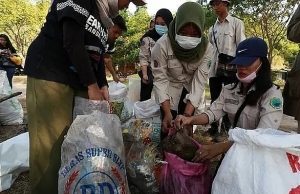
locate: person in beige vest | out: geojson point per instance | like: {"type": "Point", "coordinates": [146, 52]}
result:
{"type": "Point", "coordinates": [163, 18]}
{"type": "Point", "coordinates": [180, 62]}
{"type": "Point", "coordinates": [291, 92]}
{"type": "Point", "coordinates": [252, 102]}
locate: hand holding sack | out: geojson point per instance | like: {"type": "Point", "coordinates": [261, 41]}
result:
{"type": "Point", "coordinates": [180, 144]}
{"type": "Point", "coordinates": [179, 176]}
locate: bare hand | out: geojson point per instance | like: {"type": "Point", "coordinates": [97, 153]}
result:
{"type": "Point", "coordinates": [145, 79]}
{"type": "Point", "coordinates": [167, 122]}
{"type": "Point", "coordinates": [181, 120]}
{"type": "Point", "coordinates": [207, 152]}
{"type": "Point", "coordinates": [116, 78]}
{"type": "Point", "coordinates": [94, 92]}
{"type": "Point", "coordinates": [105, 93]}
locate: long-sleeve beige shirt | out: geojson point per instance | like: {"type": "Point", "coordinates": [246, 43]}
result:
{"type": "Point", "coordinates": [266, 114]}
{"type": "Point", "coordinates": [145, 51]}
{"type": "Point", "coordinates": [293, 30]}
{"type": "Point", "coordinates": [228, 34]}
{"type": "Point", "coordinates": [171, 75]}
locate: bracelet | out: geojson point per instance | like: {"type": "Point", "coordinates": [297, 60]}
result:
{"type": "Point", "coordinates": [186, 115]}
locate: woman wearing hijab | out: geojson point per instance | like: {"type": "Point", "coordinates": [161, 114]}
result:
{"type": "Point", "coordinates": [65, 60]}
{"type": "Point", "coordinates": [163, 18]}
{"type": "Point", "coordinates": [180, 62]}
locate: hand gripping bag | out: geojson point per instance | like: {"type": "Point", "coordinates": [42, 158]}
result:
{"type": "Point", "coordinates": [179, 176]}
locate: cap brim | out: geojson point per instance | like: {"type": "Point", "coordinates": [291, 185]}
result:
{"type": "Point", "coordinates": [243, 61]}
{"type": "Point", "coordinates": [211, 2]}
{"type": "Point", "coordinates": [138, 2]}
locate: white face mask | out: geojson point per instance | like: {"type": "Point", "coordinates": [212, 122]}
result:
{"type": "Point", "coordinates": [249, 78]}
{"type": "Point", "coordinates": [187, 42]}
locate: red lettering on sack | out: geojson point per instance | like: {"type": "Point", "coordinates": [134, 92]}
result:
{"type": "Point", "coordinates": [295, 190]}
{"type": "Point", "coordinates": [119, 177]}
{"type": "Point", "coordinates": [294, 162]}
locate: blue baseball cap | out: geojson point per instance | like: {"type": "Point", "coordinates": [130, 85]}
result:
{"type": "Point", "coordinates": [249, 50]}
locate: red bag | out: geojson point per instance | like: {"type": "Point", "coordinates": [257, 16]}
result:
{"type": "Point", "coordinates": [182, 177]}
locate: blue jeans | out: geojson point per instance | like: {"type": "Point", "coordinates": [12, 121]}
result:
{"type": "Point", "coordinates": [10, 71]}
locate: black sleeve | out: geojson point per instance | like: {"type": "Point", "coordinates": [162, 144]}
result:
{"type": "Point", "coordinates": [101, 74]}
{"type": "Point", "coordinates": [75, 9]}
{"type": "Point", "coordinates": [73, 38]}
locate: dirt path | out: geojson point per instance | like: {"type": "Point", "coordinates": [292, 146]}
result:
{"type": "Point", "coordinates": [21, 185]}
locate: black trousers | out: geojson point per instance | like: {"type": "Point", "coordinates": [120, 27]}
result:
{"type": "Point", "coordinates": [215, 86]}
{"type": "Point", "coordinates": [146, 89]}
{"type": "Point", "coordinates": [181, 109]}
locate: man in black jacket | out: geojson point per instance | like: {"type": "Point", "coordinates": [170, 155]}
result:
{"type": "Point", "coordinates": [65, 60]}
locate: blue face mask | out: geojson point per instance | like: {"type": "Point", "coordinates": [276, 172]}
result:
{"type": "Point", "coordinates": [161, 30]}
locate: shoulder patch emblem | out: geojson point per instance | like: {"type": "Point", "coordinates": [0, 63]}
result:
{"type": "Point", "coordinates": [276, 103]}
{"type": "Point", "coordinates": [143, 43]}
{"type": "Point", "coordinates": [209, 63]}
{"type": "Point", "coordinates": [155, 64]}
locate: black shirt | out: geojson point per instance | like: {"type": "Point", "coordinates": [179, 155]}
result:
{"type": "Point", "coordinates": [110, 48]}
{"type": "Point", "coordinates": [70, 46]}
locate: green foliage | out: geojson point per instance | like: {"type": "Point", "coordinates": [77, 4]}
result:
{"type": "Point", "coordinates": [280, 83]}
{"type": "Point", "coordinates": [278, 63]}
{"type": "Point", "coordinates": [127, 46]}
{"type": "Point", "coordinates": [210, 17]}
{"type": "Point", "coordinates": [273, 75]}
{"type": "Point", "coordinates": [21, 21]}
{"type": "Point", "coordinates": [266, 19]}
{"type": "Point", "coordinates": [289, 51]}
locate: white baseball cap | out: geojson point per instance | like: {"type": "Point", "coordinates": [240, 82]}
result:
{"type": "Point", "coordinates": [211, 1]}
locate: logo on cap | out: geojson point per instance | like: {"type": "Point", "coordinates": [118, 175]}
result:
{"type": "Point", "coordinates": [242, 50]}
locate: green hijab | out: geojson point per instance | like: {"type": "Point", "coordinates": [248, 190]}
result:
{"type": "Point", "coordinates": [189, 12]}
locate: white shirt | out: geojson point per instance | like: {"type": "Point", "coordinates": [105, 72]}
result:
{"type": "Point", "coordinates": [228, 34]}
